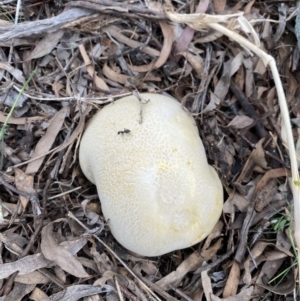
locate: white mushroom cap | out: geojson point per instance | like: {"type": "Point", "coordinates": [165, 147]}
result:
{"type": "Point", "coordinates": [155, 186]}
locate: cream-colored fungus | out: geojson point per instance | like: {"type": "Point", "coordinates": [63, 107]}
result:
{"type": "Point", "coordinates": [155, 186]}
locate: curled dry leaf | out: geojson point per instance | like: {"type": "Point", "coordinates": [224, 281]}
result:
{"type": "Point", "coordinates": [60, 255]}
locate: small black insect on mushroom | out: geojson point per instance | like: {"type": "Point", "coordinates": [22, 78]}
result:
{"type": "Point", "coordinates": [125, 131]}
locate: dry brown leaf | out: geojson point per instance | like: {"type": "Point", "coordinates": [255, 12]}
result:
{"type": "Point", "coordinates": [219, 5]}
{"type": "Point", "coordinates": [107, 275]}
{"type": "Point", "coordinates": [241, 202]}
{"type": "Point", "coordinates": [24, 183]}
{"type": "Point", "coordinates": [45, 143]}
{"type": "Point", "coordinates": [19, 291]}
{"type": "Point", "coordinates": [233, 280]}
{"type": "Point", "coordinates": [75, 134]}
{"type": "Point", "coordinates": [244, 295]}
{"type": "Point", "coordinates": [193, 262]}
{"type": "Point", "coordinates": [199, 21]}
{"type": "Point", "coordinates": [16, 73]}
{"type": "Point", "coordinates": [248, 29]}
{"type": "Point", "coordinates": [6, 23]}
{"type": "Point", "coordinates": [183, 42]}
{"type": "Point", "coordinates": [223, 84]}
{"type": "Point", "coordinates": [56, 87]}
{"type": "Point", "coordinates": [267, 271]}
{"type": "Point", "coordinates": [24, 265]}
{"type": "Point", "coordinates": [292, 83]}
{"type": "Point", "coordinates": [99, 82]}
{"type": "Point", "coordinates": [60, 255]}
{"type": "Point", "coordinates": [257, 254]}
{"type": "Point", "coordinates": [249, 78]}
{"type": "Point", "coordinates": [248, 7]}
{"type": "Point", "coordinates": [258, 155]}
{"type": "Point", "coordinates": [236, 63]}
{"type": "Point", "coordinates": [21, 120]}
{"type": "Point", "coordinates": [256, 251]}
{"type": "Point", "coordinates": [168, 34]}
{"type": "Point", "coordinates": [213, 103]}
{"type": "Point", "coordinates": [34, 277]}
{"type": "Point", "coordinates": [196, 62]}
{"type": "Point", "coordinates": [270, 255]}
{"type": "Point", "coordinates": [45, 45]}
{"type": "Point", "coordinates": [265, 195]}
{"type": "Point", "coordinates": [114, 31]}
{"type": "Point", "coordinates": [60, 274]}
{"type": "Point", "coordinates": [256, 159]}
{"type": "Point", "coordinates": [215, 232]}
{"type": "Point", "coordinates": [280, 28]}
{"type": "Point", "coordinates": [114, 76]}
{"type": "Point", "coordinates": [76, 292]}
{"type": "Point", "coordinates": [37, 295]}
{"type": "Point", "coordinates": [148, 267]}
{"type": "Point", "coordinates": [260, 67]}
{"type": "Point", "coordinates": [240, 122]}
{"type": "Point", "coordinates": [206, 284]}
{"type": "Point", "coordinates": [102, 260]}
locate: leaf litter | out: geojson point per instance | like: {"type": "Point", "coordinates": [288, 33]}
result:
{"type": "Point", "coordinates": [87, 58]}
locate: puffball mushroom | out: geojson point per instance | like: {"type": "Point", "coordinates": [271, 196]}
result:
{"type": "Point", "coordinates": [157, 191]}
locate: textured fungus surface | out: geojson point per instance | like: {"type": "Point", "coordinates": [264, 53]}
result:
{"type": "Point", "coordinates": [155, 185]}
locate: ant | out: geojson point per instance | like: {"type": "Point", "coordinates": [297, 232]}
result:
{"type": "Point", "coordinates": [126, 131]}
